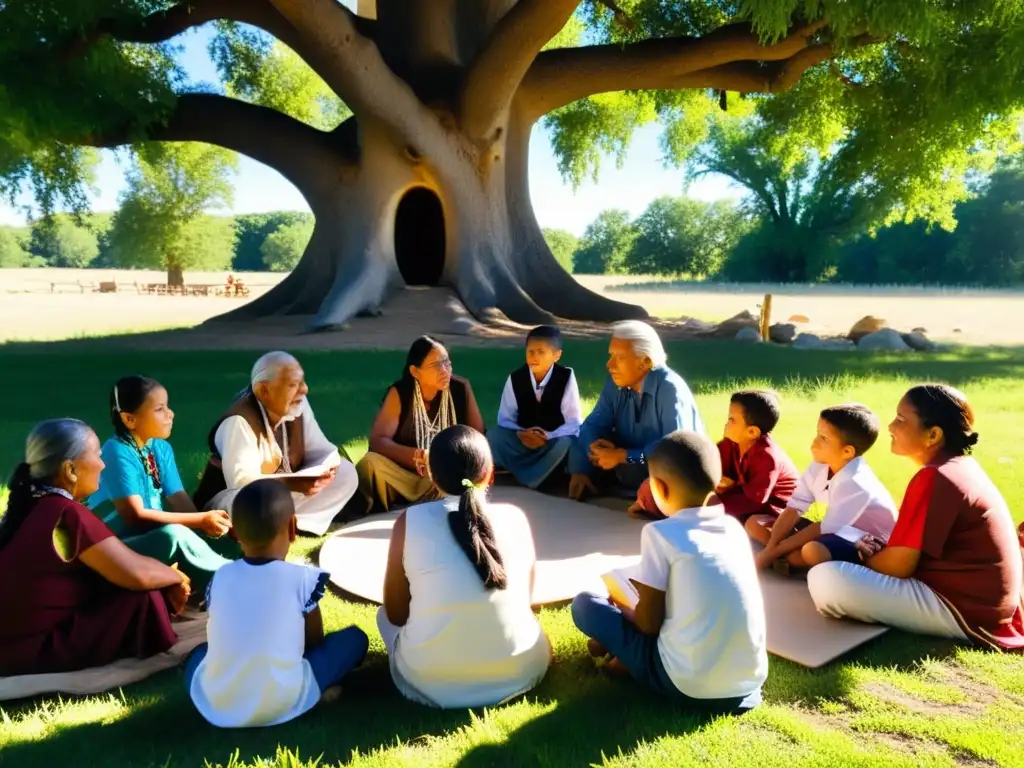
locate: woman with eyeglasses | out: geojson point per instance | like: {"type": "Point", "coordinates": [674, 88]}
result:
{"type": "Point", "coordinates": [425, 401]}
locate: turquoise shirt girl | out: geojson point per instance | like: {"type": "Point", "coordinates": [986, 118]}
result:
{"type": "Point", "coordinates": [151, 473]}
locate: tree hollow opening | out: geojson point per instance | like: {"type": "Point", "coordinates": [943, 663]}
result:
{"type": "Point", "coordinates": [420, 237]}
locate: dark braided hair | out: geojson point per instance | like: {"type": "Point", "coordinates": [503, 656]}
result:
{"type": "Point", "coordinates": [460, 461]}
{"type": "Point", "coordinates": [942, 406]}
{"type": "Point", "coordinates": [127, 396]}
{"type": "Point", "coordinates": [47, 447]}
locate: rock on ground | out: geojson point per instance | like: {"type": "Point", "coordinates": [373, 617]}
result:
{"type": "Point", "coordinates": [728, 329]}
{"type": "Point", "coordinates": [916, 340]}
{"type": "Point", "coordinates": [808, 341]}
{"type": "Point", "coordinates": [887, 339]}
{"type": "Point", "coordinates": [865, 326]}
{"type": "Point", "coordinates": [748, 334]}
{"type": "Point", "coordinates": [782, 333]}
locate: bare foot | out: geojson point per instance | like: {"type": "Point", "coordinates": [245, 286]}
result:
{"type": "Point", "coordinates": [611, 666]}
{"type": "Point", "coordinates": [616, 668]}
{"type": "Point", "coordinates": [595, 648]}
{"type": "Point", "coordinates": [332, 694]}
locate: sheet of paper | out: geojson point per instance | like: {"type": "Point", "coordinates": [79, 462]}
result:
{"type": "Point", "coordinates": [316, 470]}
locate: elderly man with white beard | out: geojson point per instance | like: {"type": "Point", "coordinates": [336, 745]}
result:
{"type": "Point", "coordinates": [270, 432]}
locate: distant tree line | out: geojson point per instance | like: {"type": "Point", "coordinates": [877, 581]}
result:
{"type": "Point", "coordinates": [818, 239]}
{"type": "Point", "coordinates": [253, 242]}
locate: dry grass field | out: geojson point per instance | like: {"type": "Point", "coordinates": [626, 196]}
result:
{"type": "Point", "coordinates": [48, 304]}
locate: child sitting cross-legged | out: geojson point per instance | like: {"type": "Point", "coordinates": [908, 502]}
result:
{"type": "Point", "coordinates": [267, 660]}
{"type": "Point", "coordinates": [539, 415]}
{"type": "Point", "coordinates": [697, 633]}
{"type": "Point", "coordinates": [856, 502]}
{"type": "Point", "coordinates": [758, 477]}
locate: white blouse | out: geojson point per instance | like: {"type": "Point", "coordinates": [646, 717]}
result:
{"type": "Point", "coordinates": [464, 646]}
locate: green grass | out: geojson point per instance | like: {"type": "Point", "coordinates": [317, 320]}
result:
{"type": "Point", "coordinates": [900, 700]}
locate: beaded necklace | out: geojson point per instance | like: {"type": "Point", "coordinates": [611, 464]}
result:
{"type": "Point", "coordinates": [427, 429]}
{"type": "Point", "coordinates": [148, 461]}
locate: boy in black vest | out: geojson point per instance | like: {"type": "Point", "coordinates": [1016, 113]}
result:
{"type": "Point", "coordinates": [540, 414]}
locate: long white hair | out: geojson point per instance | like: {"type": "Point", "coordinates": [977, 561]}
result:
{"type": "Point", "coordinates": [270, 365]}
{"type": "Point", "coordinates": [644, 340]}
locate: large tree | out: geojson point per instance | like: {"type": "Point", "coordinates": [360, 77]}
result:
{"type": "Point", "coordinates": [284, 247]}
{"type": "Point", "coordinates": [444, 94]}
{"type": "Point", "coordinates": [605, 244]}
{"type": "Point", "coordinates": [683, 236]}
{"type": "Point", "coordinates": [162, 222]}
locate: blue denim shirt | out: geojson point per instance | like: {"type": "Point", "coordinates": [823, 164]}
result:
{"type": "Point", "coordinates": [636, 421]}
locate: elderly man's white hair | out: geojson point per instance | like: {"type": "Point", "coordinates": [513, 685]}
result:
{"type": "Point", "coordinates": [269, 367]}
{"type": "Point", "coordinates": [645, 340]}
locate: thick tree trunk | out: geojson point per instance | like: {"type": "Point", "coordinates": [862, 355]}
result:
{"type": "Point", "coordinates": [430, 186]}
{"type": "Point", "coordinates": [417, 196]}
{"type": "Point", "coordinates": [490, 249]}
{"type": "Point", "coordinates": [175, 276]}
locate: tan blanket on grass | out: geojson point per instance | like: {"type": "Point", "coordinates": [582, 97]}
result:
{"type": "Point", "coordinates": [191, 632]}
{"type": "Point", "coordinates": [577, 543]}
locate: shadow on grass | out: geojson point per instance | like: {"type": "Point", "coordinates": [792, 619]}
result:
{"type": "Point", "coordinates": [162, 728]}
{"type": "Point", "coordinates": [792, 684]}
{"type": "Point", "coordinates": [590, 716]}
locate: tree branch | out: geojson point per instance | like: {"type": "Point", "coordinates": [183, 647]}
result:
{"type": "Point", "coordinates": [754, 77]}
{"type": "Point", "coordinates": [496, 74]}
{"type": "Point", "coordinates": [564, 75]}
{"type": "Point", "coordinates": [301, 153]}
{"type": "Point", "coordinates": [164, 25]}
{"type": "Point", "coordinates": [352, 66]}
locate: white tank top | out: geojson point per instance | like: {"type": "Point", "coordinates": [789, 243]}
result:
{"type": "Point", "coordinates": [463, 646]}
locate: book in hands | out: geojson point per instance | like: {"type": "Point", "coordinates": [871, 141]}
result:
{"type": "Point", "coordinates": [621, 587]}
{"type": "Point", "coordinates": [851, 534]}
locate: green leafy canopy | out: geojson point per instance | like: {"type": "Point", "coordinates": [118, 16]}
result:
{"type": "Point", "coordinates": [909, 112]}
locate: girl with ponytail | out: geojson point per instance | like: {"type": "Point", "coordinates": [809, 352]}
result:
{"type": "Point", "coordinates": [72, 595]}
{"type": "Point", "coordinates": [457, 618]}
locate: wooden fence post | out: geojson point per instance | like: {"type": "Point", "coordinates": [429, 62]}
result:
{"type": "Point", "coordinates": [766, 317]}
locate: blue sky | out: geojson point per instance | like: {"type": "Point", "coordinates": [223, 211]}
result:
{"type": "Point", "coordinates": [259, 188]}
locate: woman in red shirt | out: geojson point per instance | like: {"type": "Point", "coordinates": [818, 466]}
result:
{"type": "Point", "coordinates": [953, 564]}
{"type": "Point", "coordinates": [71, 593]}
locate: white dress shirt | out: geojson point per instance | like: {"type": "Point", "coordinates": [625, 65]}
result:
{"type": "Point", "coordinates": [245, 458]}
{"type": "Point", "coordinates": [713, 640]}
{"type": "Point", "coordinates": [508, 410]}
{"type": "Point", "coordinates": [854, 496]}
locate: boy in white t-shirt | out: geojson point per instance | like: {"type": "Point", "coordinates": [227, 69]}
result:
{"type": "Point", "coordinates": [857, 504]}
{"type": "Point", "coordinates": [267, 660]}
{"type": "Point", "coordinates": [697, 633]}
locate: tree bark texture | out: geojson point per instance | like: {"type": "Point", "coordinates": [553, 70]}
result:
{"type": "Point", "coordinates": [444, 94]}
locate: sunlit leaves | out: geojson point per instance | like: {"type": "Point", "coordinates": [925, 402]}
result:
{"type": "Point", "coordinates": [258, 69]}
{"type": "Point", "coordinates": [584, 132]}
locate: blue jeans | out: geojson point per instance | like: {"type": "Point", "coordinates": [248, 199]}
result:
{"type": "Point", "coordinates": [595, 617]}
{"type": "Point", "coordinates": [331, 660]}
{"type": "Point", "coordinates": [530, 466]}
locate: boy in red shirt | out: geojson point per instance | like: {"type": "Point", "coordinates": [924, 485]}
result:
{"type": "Point", "coordinates": [757, 475]}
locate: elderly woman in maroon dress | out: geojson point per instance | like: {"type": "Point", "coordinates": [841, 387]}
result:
{"type": "Point", "coordinates": [71, 593]}
{"type": "Point", "coordinates": [952, 566]}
